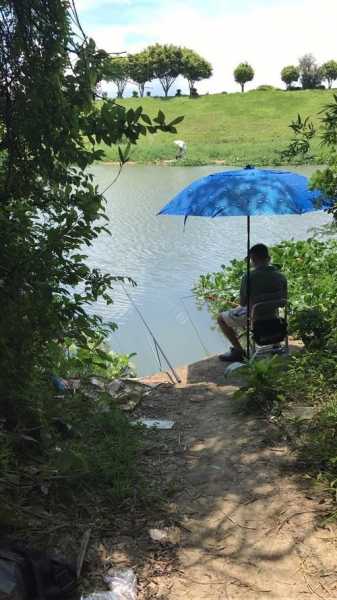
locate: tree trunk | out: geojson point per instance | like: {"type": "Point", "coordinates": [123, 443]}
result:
{"type": "Point", "coordinates": [242, 87]}
{"type": "Point", "coordinates": [141, 88]}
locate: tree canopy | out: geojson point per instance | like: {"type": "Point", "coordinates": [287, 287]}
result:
{"type": "Point", "coordinates": [329, 72]}
{"type": "Point", "coordinates": [51, 207]}
{"type": "Point", "coordinates": [290, 74]}
{"type": "Point", "coordinates": [166, 61]}
{"type": "Point", "coordinates": [140, 69]}
{"type": "Point", "coordinates": [117, 69]}
{"type": "Point", "coordinates": [194, 67]}
{"type": "Point", "coordinates": [243, 73]}
{"type": "Point", "coordinates": [310, 73]}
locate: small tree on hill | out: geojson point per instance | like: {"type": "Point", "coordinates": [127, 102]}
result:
{"type": "Point", "coordinates": [243, 73]}
{"type": "Point", "coordinates": [166, 63]}
{"type": "Point", "coordinates": [310, 72]}
{"type": "Point", "coordinates": [329, 72]}
{"type": "Point", "coordinates": [140, 70]}
{"type": "Point", "coordinates": [117, 69]}
{"type": "Point", "coordinates": [289, 75]}
{"type": "Point", "coordinates": [194, 67]}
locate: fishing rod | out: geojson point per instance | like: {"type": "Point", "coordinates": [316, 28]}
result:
{"type": "Point", "coordinates": [158, 348]}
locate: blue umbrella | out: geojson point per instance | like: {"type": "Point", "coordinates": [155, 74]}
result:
{"type": "Point", "coordinates": [247, 192]}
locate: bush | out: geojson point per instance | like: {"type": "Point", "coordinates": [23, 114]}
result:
{"type": "Point", "coordinates": [265, 88]}
{"type": "Point", "coordinates": [312, 326]}
{"type": "Point", "coordinates": [310, 267]}
{"type": "Point", "coordinates": [95, 359]}
{"type": "Point", "coordinates": [134, 94]}
{"type": "Point", "coordinates": [262, 389]}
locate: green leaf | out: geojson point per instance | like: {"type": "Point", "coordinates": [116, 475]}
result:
{"type": "Point", "coordinates": [146, 119]}
{"type": "Point", "coordinates": [176, 121]}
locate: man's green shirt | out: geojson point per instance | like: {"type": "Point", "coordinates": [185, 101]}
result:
{"type": "Point", "coordinates": [264, 280]}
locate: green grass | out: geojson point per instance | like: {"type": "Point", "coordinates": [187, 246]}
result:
{"type": "Point", "coordinates": [235, 129]}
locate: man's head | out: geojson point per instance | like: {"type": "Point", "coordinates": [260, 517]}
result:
{"type": "Point", "coordinates": [259, 255]}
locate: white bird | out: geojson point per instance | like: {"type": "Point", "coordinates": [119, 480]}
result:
{"type": "Point", "coordinates": [182, 148]}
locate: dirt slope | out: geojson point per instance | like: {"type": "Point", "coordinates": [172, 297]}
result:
{"type": "Point", "coordinates": [250, 526]}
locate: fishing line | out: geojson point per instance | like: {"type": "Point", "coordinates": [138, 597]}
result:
{"type": "Point", "coordinates": [155, 341]}
{"type": "Point", "coordinates": [193, 324]}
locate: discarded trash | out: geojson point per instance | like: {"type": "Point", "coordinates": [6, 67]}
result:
{"type": "Point", "coordinates": [156, 423]}
{"type": "Point", "coordinates": [126, 393]}
{"type": "Point", "coordinates": [98, 382]}
{"type": "Point", "coordinates": [122, 583]}
{"type": "Point", "coordinates": [167, 535]}
{"type": "Point", "coordinates": [60, 385]}
{"type": "Point", "coordinates": [114, 386]}
{"type": "Point", "coordinates": [233, 367]}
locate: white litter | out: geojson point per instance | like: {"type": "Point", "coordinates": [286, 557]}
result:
{"type": "Point", "coordinates": [170, 535]}
{"type": "Point", "coordinates": [155, 423]}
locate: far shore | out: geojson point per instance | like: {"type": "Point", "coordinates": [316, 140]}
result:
{"type": "Point", "coordinates": [226, 129]}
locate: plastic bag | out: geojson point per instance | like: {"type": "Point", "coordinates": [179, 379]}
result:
{"type": "Point", "coordinates": [122, 583]}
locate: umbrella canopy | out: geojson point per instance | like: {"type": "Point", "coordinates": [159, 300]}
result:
{"type": "Point", "coordinates": [246, 192]}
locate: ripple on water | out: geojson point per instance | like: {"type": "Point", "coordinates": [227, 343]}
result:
{"type": "Point", "coordinates": [166, 260]}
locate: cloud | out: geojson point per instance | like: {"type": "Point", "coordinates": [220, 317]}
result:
{"type": "Point", "coordinates": [87, 5]}
{"type": "Point", "coordinates": [269, 34]}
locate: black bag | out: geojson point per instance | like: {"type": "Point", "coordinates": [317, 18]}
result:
{"type": "Point", "coordinates": [32, 575]}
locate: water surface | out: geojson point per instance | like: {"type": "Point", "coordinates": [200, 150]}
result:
{"type": "Point", "coordinates": [166, 260]}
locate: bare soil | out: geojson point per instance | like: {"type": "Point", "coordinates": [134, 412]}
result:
{"type": "Point", "coordinates": [249, 526]}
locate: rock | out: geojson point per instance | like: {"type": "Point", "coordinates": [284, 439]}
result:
{"type": "Point", "coordinates": [166, 535]}
{"type": "Point", "coordinates": [305, 413]}
{"type": "Point", "coordinates": [126, 393]}
{"type": "Point", "coordinates": [113, 387]}
{"type": "Point", "coordinates": [98, 382]}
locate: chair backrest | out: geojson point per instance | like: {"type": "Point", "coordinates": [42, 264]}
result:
{"type": "Point", "coordinates": [267, 325]}
{"type": "Point", "coordinates": [267, 306]}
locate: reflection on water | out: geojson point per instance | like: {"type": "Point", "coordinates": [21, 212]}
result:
{"type": "Point", "coordinates": [165, 260]}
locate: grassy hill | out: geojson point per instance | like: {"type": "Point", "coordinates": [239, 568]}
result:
{"type": "Point", "coordinates": [232, 128]}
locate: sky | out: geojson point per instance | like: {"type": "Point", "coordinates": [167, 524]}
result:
{"type": "Point", "coordinates": [269, 34]}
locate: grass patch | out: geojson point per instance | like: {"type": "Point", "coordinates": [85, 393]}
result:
{"type": "Point", "coordinates": [235, 129]}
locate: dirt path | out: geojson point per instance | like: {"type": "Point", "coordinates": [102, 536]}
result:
{"type": "Point", "coordinates": [250, 526]}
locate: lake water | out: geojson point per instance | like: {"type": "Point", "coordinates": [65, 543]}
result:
{"type": "Point", "coordinates": [166, 261]}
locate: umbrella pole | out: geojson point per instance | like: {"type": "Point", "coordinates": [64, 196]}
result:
{"type": "Point", "coordinates": [248, 287]}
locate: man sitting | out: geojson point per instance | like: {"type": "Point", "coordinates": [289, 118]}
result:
{"type": "Point", "coordinates": [264, 279]}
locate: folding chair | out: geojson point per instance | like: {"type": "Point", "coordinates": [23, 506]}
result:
{"type": "Point", "coordinates": [269, 335]}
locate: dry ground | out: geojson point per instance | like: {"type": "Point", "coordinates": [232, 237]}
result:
{"type": "Point", "coordinates": [250, 526]}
